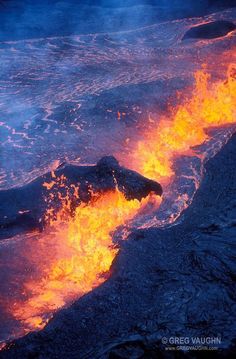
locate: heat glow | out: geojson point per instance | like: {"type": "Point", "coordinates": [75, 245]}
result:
{"type": "Point", "coordinates": [75, 253]}
{"type": "Point", "coordinates": [211, 104]}
{"type": "Point", "coordinates": [81, 254]}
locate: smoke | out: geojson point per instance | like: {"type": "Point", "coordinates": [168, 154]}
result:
{"type": "Point", "coordinates": [49, 87]}
{"type": "Point", "coordinates": [30, 19]}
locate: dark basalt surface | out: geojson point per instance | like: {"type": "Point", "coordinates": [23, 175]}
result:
{"type": "Point", "coordinates": [23, 208]}
{"type": "Point", "coordinates": [211, 30]}
{"type": "Point", "coordinates": [178, 281]}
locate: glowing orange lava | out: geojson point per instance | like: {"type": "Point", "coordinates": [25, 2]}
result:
{"type": "Point", "coordinates": [82, 251]}
{"type": "Point", "coordinates": [210, 105]}
{"type": "Point", "coordinates": [73, 254]}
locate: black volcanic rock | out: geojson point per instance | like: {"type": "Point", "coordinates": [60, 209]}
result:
{"type": "Point", "coordinates": [175, 282]}
{"type": "Point", "coordinates": [24, 207]}
{"type": "Point", "coordinates": [210, 30]}
{"type": "Point", "coordinates": [131, 183]}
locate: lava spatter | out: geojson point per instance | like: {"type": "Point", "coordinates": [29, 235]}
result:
{"type": "Point", "coordinates": [76, 251]}
{"type": "Point", "coordinates": [211, 104]}
{"type": "Point", "coordinates": [72, 256]}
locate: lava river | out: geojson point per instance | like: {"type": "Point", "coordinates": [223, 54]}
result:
{"type": "Point", "coordinates": [42, 272]}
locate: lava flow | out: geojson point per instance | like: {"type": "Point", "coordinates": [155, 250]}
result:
{"type": "Point", "coordinates": [74, 254]}
{"type": "Point", "coordinates": [211, 105]}
{"type": "Point", "coordinates": [79, 252]}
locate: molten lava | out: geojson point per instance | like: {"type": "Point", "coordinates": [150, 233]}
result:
{"type": "Point", "coordinates": [74, 253]}
{"type": "Point", "coordinates": [81, 253]}
{"type": "Point", "coordinates": [211, 104]}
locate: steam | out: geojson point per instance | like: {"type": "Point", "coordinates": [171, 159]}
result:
{"type": "Point", "coordinates": [62, 83]}
{"type": "Point", "coordinates": [56, 92]}
{"type": "Point", "coordinates": [24, 20]}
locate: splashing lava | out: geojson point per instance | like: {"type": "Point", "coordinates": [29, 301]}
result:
{"type": "Point", "coordinates": [83, 253]}
{"type": "Point", "coordinates": [210, 105]}
{"type": "Point", "coordinates": [73, 255]}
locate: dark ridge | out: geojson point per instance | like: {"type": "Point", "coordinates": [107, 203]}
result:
{"type": "Point", "coordinates": [23, 208]}
{"type": "Point", "coordinates": [211, 30]}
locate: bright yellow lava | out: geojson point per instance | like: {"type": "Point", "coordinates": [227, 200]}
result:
{"type": "Point", "coordinates": [75, 252]}
{"type": "Point", "coordinates": [81, 254]}
{"type": "Point", "coordinates": [210, 105]}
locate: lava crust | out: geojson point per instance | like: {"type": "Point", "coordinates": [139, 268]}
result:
{"type": "Point", "coordinates": [166, 283]}
{"type": "Point", "coordinates": [210, 30]}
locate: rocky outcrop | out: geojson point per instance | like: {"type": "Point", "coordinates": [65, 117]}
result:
{"type": "Point", "coordinates": [23, 208]}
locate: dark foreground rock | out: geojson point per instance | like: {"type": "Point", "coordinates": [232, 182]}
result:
{"type": "Point", "coordinates": [23, 208]}
{"type": "Point", "coordinates": [176, 282]}
{"type": "Point", "coordinates": [210, 30]}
